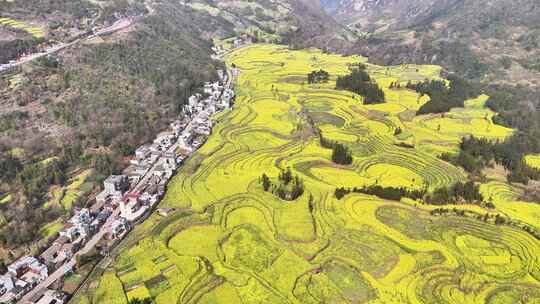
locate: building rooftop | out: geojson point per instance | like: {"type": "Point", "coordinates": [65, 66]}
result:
{"type": "Point", "coordinates": [113, 179]}
{"type": "Point", "coordinates": [51, 252]}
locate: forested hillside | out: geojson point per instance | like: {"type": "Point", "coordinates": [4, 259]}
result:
{"type": "Point", "coordinates": [493, 41]}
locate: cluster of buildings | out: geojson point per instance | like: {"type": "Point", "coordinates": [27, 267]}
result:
{"type": "Point", "coordinates": [21, 277]}
{"type": "Point", "coordinates": [154, 164]}
{"type": "Point", "coordinates": [237, 42]}
{"type": "Point", "coordinates": [126, 199]}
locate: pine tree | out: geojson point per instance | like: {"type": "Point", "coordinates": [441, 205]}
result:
{"type": "Point", "coordinates": [266, 182]}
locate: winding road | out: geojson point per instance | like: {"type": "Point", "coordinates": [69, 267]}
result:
{"type": "Point", "coordinates": [117, 26]}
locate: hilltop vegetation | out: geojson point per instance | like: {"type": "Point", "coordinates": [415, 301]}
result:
{"type": "Point", "coordinates": [231, 241]}
{"type": "Point", "coordinates": [297, 23]}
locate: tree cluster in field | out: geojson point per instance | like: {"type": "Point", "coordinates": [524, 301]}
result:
{"type": "Point", "coordinates": [467, 192]}
{"type": "Point", "coordinates": [87, 258]}
{"type": "Point", "coordinates": [24, 224]}
{"type": "Point", "coordinates": [289, 187]}
{"type": "Point", "coordinates": [459, 193]}
{"type": "Point", "coordinates": [341, 154]}
{"type": "Point", "coordinates": [37, 178]}
{"type": "Point", "coordinates": [320, 76]}
{"type": "Point", "coordinates": [496, 219]}
{"type": "Point", "coordinates": [141, 301]}
{"type": "Point", "coordinates": [477, 153]}
{"type": "Point", "coordinates": [359, 82]}
{"type": "Point", "coordinates": [389, 193]}
{"type": "Point", "coordinates": [442, 97]}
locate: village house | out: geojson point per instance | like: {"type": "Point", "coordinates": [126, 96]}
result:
{"type": "Point", "coordinates": [131, 207]}
{"type": "Point", "coordinates": [154, 147]}
{"type": "Point", "coordinates": [25, 273]}
{"type": "Point", "coordinates": [142, 152]}
{"type": "Point", "coordinates": [114, 187]}
{"type": "Point", "coordinates": [79, 225]}
{"type": "Point", "coordinates": [133, 176]}
{"type": "Point", "coordinates": [142, 169]}
{"type": "Point", "coordinates": [97, 207]}
{"type": "Point", "coordinates": [197, 143]}
{"type": "Point", "coordinates": [49, 256]}
{"type": "Point", "coordinates": [235, 72]}
{"type": "Point", "coordinates": [162, 186]}
{"type": "Point", "coordinates": [160, 171]}
{"type": "Point", "coordinates": [26, 264]}
{"type": "Point", "coordinates": [119, 228]}
{"type": "Point", "coordinates": [60, 251]}
{"type": "Point", "coordinates": [155, 156]}
{"type": "Point", "coordinates": [178, 126]}
{"type": "Point", "coordinates": [208, 88]}
{"type": "Point", "coordinates": [55, 255]}
{"type": "Point", "coordinates": [12, 289]}
{"type": "Point", "coordinates": [187, 137]}
{"type": "Point", "coordinates": [165, 139]}
{"type": "Point", "coordinates": [169, 159]}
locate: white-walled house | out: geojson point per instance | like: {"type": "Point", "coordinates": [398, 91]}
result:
{"type": "Point", "coordinates": [12, 289]}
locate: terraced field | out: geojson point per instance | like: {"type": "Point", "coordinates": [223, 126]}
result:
{"type": "Point", "coordinates": [231, 242]}
{"type": "Point", "coordinates": [533, 160]}
{"type": "Point", "coordinates": [32, 30]}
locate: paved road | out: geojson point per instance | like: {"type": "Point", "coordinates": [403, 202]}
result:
{"type": "Point", "coordinates": [118, 25]}
{"type": "Point", "coordinates": [68, 266]}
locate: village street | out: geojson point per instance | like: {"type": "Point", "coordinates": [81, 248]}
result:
{"type": "Point", "coordinates": [201, 114]}
{"type": "Point", "coordinates": [90, 245]}
{"type": "Point", "coordinates": [69, 266]}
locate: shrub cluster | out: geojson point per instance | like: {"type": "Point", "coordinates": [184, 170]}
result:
{"type": "Point", "coordinates": [289, 186]}
{"type": "Point", "coordinates": [340, 153]}
{"type": "Point", "coordinates": [389, 193]}
{"type": "Point", "coordinates": [320, 76]}
{"type": "Point", "coordinates": [467, 192]}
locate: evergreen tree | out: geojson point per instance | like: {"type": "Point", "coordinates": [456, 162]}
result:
{"type": "Point", "coordinates": [341, 154]}
{"type": "Point", "coordinates": [266, 182]}
{"type": "Point", "coordinates": [320, 76]}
